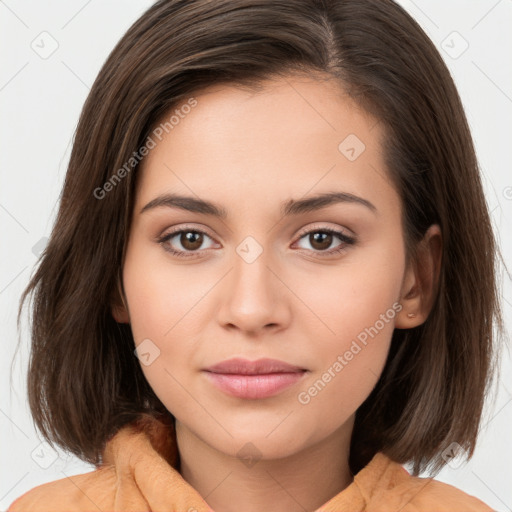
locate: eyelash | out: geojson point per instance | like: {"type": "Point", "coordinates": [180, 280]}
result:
{"type": "Point", "coordinates": [347, 240]}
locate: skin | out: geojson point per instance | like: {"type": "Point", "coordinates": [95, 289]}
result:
{"type": "Point", "coordinates": [249, 152]}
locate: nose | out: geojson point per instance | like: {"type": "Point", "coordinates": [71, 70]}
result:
{"type": "Point", "coordinates": [253, 296]}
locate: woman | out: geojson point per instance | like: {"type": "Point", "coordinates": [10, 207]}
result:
{"type": "Point", "coordinates": [260, 292]}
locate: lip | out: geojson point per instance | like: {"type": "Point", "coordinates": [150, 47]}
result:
{"type": "Point", "coordinates": [260, 366]}
{"type": "Point", "coordinates": [253, 379]}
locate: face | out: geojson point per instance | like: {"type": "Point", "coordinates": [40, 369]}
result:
{"type": "Point", "coordinates": [315, 285]}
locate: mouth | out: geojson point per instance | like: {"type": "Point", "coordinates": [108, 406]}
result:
{"type": "Point", "coordinates": [254, 379]}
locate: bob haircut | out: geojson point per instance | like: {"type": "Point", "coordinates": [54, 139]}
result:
{"type": "Point", "coordinates": [84, 381]}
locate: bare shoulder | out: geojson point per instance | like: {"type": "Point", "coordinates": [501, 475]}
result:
{"type": "Point", "coordinates": [87, 491]}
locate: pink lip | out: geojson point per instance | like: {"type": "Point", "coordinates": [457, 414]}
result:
{"type": "Point", "coordinates": [253, 379]}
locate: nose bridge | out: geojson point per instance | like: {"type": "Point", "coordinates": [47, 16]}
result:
{"type": "Point", "coordinates": [251, 277]}
{"type": "Point", "coordinates": [253, 294]}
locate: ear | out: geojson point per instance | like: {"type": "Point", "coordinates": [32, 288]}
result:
{"type": "Point", "coordinates": [420, 282]}
{"type": "Point", "coordinates": [118, 304]}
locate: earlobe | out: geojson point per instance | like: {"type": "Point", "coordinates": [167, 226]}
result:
{"type": "Point", "coordinates": [409, 316]}
{"type": "Point", "coordinates": [120, 314]}
{"type": "Point", "coordinates": [119, 308]}
{"type": "Point", "coordinates": [420, 282]}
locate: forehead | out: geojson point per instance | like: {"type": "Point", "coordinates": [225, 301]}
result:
{"type": "Point", "coordinates": [294, 136]}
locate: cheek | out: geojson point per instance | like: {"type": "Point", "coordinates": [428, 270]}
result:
{"type": "Point", "coordinates": [349, 364]}
{"type": "Point", "coordinates": [160, 307]}
{"type": "Point", "coordinates": [359, 293]}
{"type": "Point", "coordinates": [358, 308]}
{"type": "Point", "coordinates": [332, 396]}
{"type": "Point", "coordinates": [161, 295]}
{"type": "Point", "coordinates": [164, 304]}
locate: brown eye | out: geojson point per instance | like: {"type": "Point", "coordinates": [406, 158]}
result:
{"type": "Point", "coordinates": [320, 240]}
{"type": "Point", "coordinates": [191, 240]}
{"type": "Point", "coordinates": [185, 242]}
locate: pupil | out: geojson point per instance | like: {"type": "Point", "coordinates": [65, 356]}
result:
{"type": "Point", "coordinates": [193, 240]}
{"type": "Point", "coordinates": [320, 238]}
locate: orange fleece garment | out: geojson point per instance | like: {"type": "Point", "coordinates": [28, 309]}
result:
{"type": "Point", "coordinates": [138, 473]}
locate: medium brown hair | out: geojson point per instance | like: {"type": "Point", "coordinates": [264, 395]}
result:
{"type": "Point", "coordinates": [84, 381]}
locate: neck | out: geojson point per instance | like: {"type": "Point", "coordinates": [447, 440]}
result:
{"type": "Point", "coordinates": [300, 482]}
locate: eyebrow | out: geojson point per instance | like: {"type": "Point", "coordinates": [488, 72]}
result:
{"type": "Point", "coordinates": [288, 208]}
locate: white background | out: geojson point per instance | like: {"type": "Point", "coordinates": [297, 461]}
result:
{"type": "Point", "coordinates": [40, 102]}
